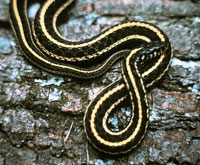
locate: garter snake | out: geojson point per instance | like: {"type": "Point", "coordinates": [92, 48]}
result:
{"type": "Point", "coordinates": [146, 56]}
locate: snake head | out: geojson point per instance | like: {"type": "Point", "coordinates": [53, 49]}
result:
{"type": "Point", "coordinates": [152, 50]}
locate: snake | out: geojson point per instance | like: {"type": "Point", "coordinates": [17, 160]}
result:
{"type": "Point", "coordinates": [143, 48]}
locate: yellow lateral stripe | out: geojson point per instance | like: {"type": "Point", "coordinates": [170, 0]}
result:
{"type": "Point", "coordinates": [167, 68]}
{"type": "Point", "coordinates": [123, 142]}
{"type": "Point", "coordinates": [154, 67]}
{"type": "Point", "coordinates": [73, 59]}
{"type": "Point", "coordinates": [67, 3]}
{"type": "Point", "coordinates": [106, 117]}
{"type": "Point", "coordinates": [112, 30]}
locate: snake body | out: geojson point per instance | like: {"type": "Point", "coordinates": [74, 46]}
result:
{"type": "Point", "coordinates": [146, 56]}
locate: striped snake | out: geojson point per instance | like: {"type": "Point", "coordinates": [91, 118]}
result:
{"type": "Point", "coordinates": [146, 56]}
